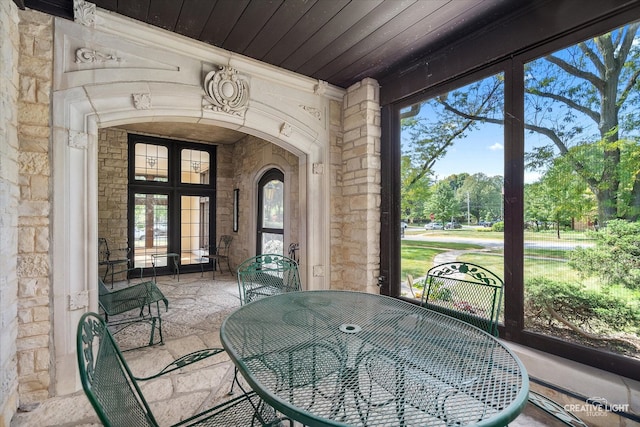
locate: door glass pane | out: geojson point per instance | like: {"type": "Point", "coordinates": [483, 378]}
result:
{"type": "Point", "coordinates": [151, 227]}
{"type": "Point", "coordinates": [272, 243]}
{"type": "Point", "coordinates": [151, 162]}
{"type": "Point", "coordinates": [194, 167]}
{"type": "Point", "coordinates": [582, 193]}
{"type": "Point", "coordinates": [451, 181]}
{"type": "Point", "coordinates": [273, 205]}
{"type": "Point", "coordinates": [194, 229]}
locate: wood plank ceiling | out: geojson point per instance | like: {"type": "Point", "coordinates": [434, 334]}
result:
{"type": "Point", "coordinates": [339, 41]}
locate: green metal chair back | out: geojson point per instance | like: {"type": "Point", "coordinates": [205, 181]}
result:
{"type": "Point", "coordinates": [106, 378]}
{"type": "Point", "coordinates": [466, 291]}
{"type": "Point", "coordinates": [265, 275]}
{"type": "Point", "coordinates": [114, 393]}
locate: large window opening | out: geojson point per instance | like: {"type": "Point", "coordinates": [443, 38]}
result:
{"type": "Point", "coordinates": [170, 193]}
{"type": "Point", "coordinates": [270, 238]}
{"type": "Point", "coordinates": [452, 157]}
{"type": "Point", "coordinates": [560, 224]}
{"type": "Point", "coordinates": [582, 193]}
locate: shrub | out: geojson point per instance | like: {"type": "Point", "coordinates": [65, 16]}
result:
{"type": "Point", "coordinates": [583, 310]}
{"type": "Point", "coordinates": [615, 257]}
{"type": "Point", "coordinates": [498, 226]}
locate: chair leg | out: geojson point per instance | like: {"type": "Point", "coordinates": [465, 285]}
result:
{"type": "Point", "coordinates": [235, 380]}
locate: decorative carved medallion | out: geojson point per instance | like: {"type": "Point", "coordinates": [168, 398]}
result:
{"type": "Point", "coordinates": [312, 110]}
{"type": "Point", "coordinates": [227, 91]}
{"type": "Point", "coordinates": [142, 101]}
{"type": "Point", "coordinates": [318, 168]}
{"type": "Point", "coordinates": [286, 129]}
{"type": "Point", "coordinates": [84, 13]}
{"type": "Point", "coordinates": [87, 55]}
{"type": "Point", "coordinates": [78, 140]}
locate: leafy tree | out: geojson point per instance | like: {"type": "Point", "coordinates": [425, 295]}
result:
{"type": "Point", "coordinates": [443, 203]}
{"type": "Point", "coordinates": [484, 195]}
{"type": "Point", "coordinates": [585, 96]}
{"type": "Point", "coordinates": [566, 194]}
{"type": "Point", "coordinates": [414, 191]}
{"type": "Point", "coordinates": [537, 207]}
{"type": "Point", "coordinates": [615, 257]}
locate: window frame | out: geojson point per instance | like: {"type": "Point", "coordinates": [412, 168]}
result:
{"type": "Point", "coordinates": [512, 66]}
{"type": "Point", "coordinates": [174, 188]}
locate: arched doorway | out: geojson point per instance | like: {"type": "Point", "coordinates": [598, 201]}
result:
{"type": "Point", "coordinates": [270, 225]}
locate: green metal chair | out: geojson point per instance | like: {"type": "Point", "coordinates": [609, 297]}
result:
{"type": "Point", "coordinates": [218, 253]}
{"type": "Point", "coordinates": [117, 399]}
{"type": "Point", "coordinates": [265, 275]}
{"type": "Point", "coordinates": [134, 297]}
{"type": "Point", "coordinates": [466, 291]}
{"type": "Point", "coordinates": [112, 264]}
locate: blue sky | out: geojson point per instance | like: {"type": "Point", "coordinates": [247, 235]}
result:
{"type": "Point", "coordinates": [481, 152]}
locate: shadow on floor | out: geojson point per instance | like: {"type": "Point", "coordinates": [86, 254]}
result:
{"type": "Point", "coordinates": [197, 307]}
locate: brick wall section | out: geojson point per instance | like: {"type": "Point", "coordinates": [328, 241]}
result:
{"type": "Point", "coordinates": [112, 189]}
{"type": "Point", "coordinates": [9, 194]}
{"type": "Point", "coordinates": [250, 155]}
{"type": "Point", "coordinates": [360, 250]}
{"type": "Point", "coordinates": [34, 259]}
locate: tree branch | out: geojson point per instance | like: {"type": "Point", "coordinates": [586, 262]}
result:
{"type": "Point", "coordinates": [569, 102]}
{"type": "Point", "coordinates": [590, 77]}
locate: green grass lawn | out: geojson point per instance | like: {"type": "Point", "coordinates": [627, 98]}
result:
{"type": "Point", "coordinates": [417, 255]}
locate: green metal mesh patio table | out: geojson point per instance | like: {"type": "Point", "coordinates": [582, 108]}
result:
{"type": "Point", "coordinates": [341, 358]}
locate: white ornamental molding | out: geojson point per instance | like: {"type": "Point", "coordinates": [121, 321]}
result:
{"type": "Point", "coordinates": [286, 129]}
{"type": "Point", "coordinates": [227, 91]}
{"type": "Point", "coordinates": [78, 140]}
{"type": "Point", "coordinates": [142, 101]}
{"type": "Point", "coordinates": [84, 13]}
{"type": "Point", "coordinates": [321, 88]}
{"type": "Point", "coordinates": [85, 55]}
{"type": "Point", "coordinates": [318, 168]}
{"type": "Point", "coordinates": [312, 110]}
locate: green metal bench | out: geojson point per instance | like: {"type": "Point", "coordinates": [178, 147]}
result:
{"type": "Point", "coordinates": [466, 291]}
{"type": "Point", "coordinates": [117, 399]}
{"type": "Point", "coordinates": [140, 296]}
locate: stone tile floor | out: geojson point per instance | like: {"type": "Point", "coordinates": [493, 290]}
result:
{"type": "Point", "coordinates": [197, 307]}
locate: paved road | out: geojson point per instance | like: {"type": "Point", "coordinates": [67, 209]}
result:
{"type": "Point", "coordinates": [495, 243]}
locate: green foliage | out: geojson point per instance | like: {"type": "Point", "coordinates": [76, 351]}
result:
{"type": "Point", "coordinates": [498, 226]}
{"type": "Point", "coordinates": [615, 257]}
{"type": "Point", "coordinates": [443, 203]}
{"type": "Point", "coordinates": [590, 310]}
{"type": "Point", "coordinates": [439, 291]}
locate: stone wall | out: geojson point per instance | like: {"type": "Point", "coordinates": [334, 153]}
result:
{"type": "Point", "coordinates": [34, 259]}
{"type": "Point", "coordinates": [112, 188]}
{"type": "Point", "coordinates": [357, 248]}
{"type": "Point", "coordinates": [9, 194]}
{"type": "Point", "coordinates": [252, 156]}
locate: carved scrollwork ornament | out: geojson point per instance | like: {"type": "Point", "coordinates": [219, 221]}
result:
{"type": "Point", "coordinates": [227, 91]}
{"type": "Point", "coordinates": [86, 55]}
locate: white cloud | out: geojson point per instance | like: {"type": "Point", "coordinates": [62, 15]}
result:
{"type": "Point", "coordinates": [496, 146]}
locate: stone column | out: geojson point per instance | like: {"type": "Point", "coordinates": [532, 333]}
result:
{"type": "Point", "coordinates": [359, 254]}
{"type": "Point", "coordinates": [9, 194]}
{"type": "Point", "coordinates": [34, 261]}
